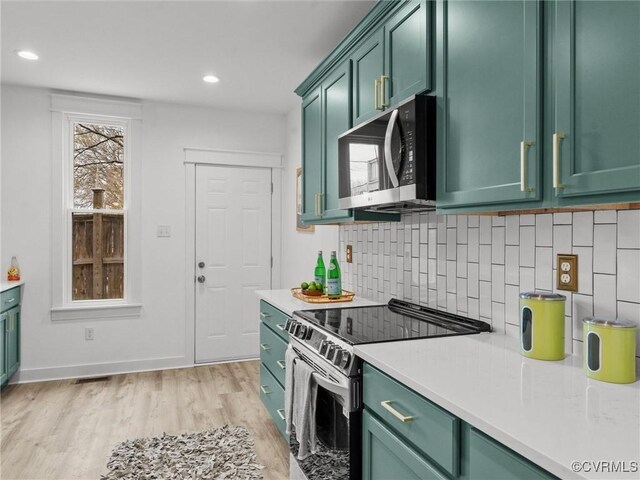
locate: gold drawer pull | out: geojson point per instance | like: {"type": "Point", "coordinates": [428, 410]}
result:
{"type": "Point", "coordinates": [265, 389]}
{"type": "Point", "coordinates": [281, 364]}
{"type": "Point", "coordinates": [386, 404]}
{"type": "Point", "coordinates": [265, 346]}
{"type": "Point", "coordinates": [280, 327]}
{"type": "Point", "coordinates": [280, 413]}
{"type": "Point", "coordinates": [264, 315]}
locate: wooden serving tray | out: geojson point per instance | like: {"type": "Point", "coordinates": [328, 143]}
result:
{"type": "Point", "coordinates": [346, 296]}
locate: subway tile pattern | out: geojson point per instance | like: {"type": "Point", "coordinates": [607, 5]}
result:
{"type": "Point", "coordinates": [477, 265]}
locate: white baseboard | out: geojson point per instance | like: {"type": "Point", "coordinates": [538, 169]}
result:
{"type": "Point", "coordinates": [98, 369]}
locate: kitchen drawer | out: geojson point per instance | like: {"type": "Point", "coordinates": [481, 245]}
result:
{"type": "Point", "coordinates": [385, 456]}
{"type": "Point", "coordinates": [433, 431]}
{"type": "Point", "coordinates": [9, 299]}
{"type": "Point", "coordinates": [273, 317]}
{"type": "Point", "coordinates": [272, 352]}
{"type": "Point", "coordinates": [486, 459]}
{"type": "Point", "coordinates": [272, 396]}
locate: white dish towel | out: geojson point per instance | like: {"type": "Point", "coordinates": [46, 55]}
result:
{"type": "Point", "coordinates": [300, 392]}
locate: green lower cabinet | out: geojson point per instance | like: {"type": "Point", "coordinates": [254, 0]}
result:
{"type": "Point", "coordinates": [272, 352]}
{"type": "Point", "coordinates": [485, 459]}
{"type": "Point", "coordinates": [272, 396]}
{"type": "Point", "coordinates": [3, 357]}
{"type": "Point", "coordinates": [12, 341]}
{"type": "Point", "coordinates": [385, 456]}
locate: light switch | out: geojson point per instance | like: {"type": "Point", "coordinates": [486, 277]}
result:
{"type": "Point", "coordinates": [567, 272]}
{"type": "Point", "coordinates": [164, 231]}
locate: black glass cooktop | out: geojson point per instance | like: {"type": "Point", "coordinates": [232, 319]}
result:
{"type": "Point", "coordinates": [397, 320]}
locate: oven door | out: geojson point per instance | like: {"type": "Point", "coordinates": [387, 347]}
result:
{"type": "Point", "coordinates": [337, 427]}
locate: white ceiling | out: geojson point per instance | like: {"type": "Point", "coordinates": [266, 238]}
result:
{"type": "Point", "coordinates": [159, 50]}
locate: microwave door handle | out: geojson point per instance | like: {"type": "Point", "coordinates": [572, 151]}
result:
{"type": "Point", "coordinates": [388, 160]}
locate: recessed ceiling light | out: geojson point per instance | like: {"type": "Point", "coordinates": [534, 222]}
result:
{"type": "Point", "coordinates": [26, 54]}
{"type": "Point", "coordinates": [210, 79]}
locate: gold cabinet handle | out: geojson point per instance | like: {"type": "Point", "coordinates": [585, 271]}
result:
{"type": "Point", "coordinates": [265, 389]}
{"type": "Point", "coordinates": [280, 413]}
{"type": "Point", "coordinates": [556, 160]}
{"type": "Point", "coordinates": [264, 315]}
{"type": "Point", "coordinates": [524, 145]}
{"type": "Point", "coordinates": [265, 346]}
{"type": "Point", "coordinates": [281, 364]}
{"type": "Point", "coordinates": [383, 89]}
{"type": "Point", "coordinates": [280, 327]}
{"type": "Point", "coordinates": [386, 404]}
{"type": "Point", "coordinates": [376, 94]}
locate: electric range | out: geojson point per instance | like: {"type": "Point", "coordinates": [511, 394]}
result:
{"type": "Point", "coordinates": [324, 339]}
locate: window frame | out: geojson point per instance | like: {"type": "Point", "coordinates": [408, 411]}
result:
{"type": "Point", "coordinates": [67, 110]}
{"type": "Point", "coordinates": [70, 121]}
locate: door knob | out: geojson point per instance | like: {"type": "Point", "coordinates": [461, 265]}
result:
{"type": "Point", "coordinates": [201, 279]}
{"type": "Point", "coordinates": [201, 264]}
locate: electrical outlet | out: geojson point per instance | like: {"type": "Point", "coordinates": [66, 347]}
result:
{"type": "Point", "coordinates": [163, 231]}
{"type": "Point", "coordinates": [89, 334]}
{"type": "Point", "coordinates": [567, 272]}
{"type": "Point", "coordinates": [349, 254]}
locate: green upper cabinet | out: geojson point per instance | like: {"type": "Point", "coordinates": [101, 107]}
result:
{"type": "Point", "coordinates": [596, 120]}
{"type": "Point", "coordinates": [311, 155]}
{"type": "Point", "coordinates": [336, 120]}
{"type": "Point", "coordinates": [368, 68]}
{"type": "Point", "coordinates": [394, 62]}
{"type": "Point", "coordinates": [326, 114]}
{"type": "Point", "coordinates": [407, 51]}
{"type": "Point", "coordinates": [489, 77]}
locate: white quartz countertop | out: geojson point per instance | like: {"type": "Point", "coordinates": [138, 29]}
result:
{"type": "Point", "coordinates": [285, 302]}
{"type": "Point", "coordinates": [549, 412]}
{"type": "Point", "coordinates": [5, 285]}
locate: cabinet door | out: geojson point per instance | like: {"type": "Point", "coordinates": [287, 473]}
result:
{"type": "Point", "coordinates": [407, 52]}
{"type": "Point", "coordinates": [12, 341]}
{"type": "Point", "coordinates": [597, 95]}
{"type": "Point", "coordinates": [491, 90]}
{"type": "Point", "coordinates": [368, 65]}
{"type": "Point", "coordinates": [3, 349]}
{"type": "Point", "coordinates": [336, 118]}
{"type": "Point", "coordinates": [311, 155]}
{"type": "Point", "coordinates": [385, 456]}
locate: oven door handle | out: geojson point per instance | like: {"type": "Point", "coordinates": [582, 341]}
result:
{"type": "Point", "coordinates": [388, 160]}
{"type": "Point", "coordinates": [333, 387]}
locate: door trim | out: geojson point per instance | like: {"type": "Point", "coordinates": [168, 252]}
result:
{"type": "Point", "coordinates": [190, 228]}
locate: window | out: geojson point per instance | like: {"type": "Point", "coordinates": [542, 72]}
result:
{"type": "Point", "coordinates": [98, 215]}
{"type": "Point", "coordinates": [96, 224]}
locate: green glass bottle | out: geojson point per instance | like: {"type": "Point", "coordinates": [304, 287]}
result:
{"type": "Point", "coordinates": [334, 282]}
{"type": "Point", "coordinates": [320, 274]}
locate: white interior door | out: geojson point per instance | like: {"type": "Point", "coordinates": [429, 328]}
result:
{"type": "Point", "coordinates": [233, 259]}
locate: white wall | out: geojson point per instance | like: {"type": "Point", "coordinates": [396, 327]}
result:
{"type": "Point", "coordinates": [299, 250]}
{"type": "Point", "coordinates": [157, 339]}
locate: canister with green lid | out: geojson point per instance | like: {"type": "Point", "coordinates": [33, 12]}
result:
{"type": "Point", "coordinates": [610, 349]}
{"type": "Point", "coordinates": [542, 325]}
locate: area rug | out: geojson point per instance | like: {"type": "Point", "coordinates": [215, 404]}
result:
{"type": "Point", "coordinates": [221, 453]}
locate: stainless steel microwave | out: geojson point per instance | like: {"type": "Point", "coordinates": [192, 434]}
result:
{"type": "Point", "coordinates": [388, 163]}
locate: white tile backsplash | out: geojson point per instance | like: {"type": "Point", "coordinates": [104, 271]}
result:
{"type": "Point", "coordinates": [477, 265]}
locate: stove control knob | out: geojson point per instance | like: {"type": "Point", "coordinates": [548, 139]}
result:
{"type": "Point", "coordinates": [338, 356]}
{"type": "Point", "coordinates": [301, 332]}
{"type": "Point", "coordinates": [324, 345]}
{"type": "Point", "coordinates": [288, 324]}
{"type": "Point", "coordinates": [344, 361]}
{"type": "Point", "coordinates": [295, 328]}
{"type": "Point", "coordinates": [331, 349]}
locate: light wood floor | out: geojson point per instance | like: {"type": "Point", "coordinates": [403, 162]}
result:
{"type": "Point", "coordinates": [63, 430]}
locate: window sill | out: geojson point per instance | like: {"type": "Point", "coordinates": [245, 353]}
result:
{"type": "Point", "coordinates": [96, 312]}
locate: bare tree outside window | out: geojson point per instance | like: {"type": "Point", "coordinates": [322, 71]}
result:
{"type": "Point", "coordinates": [98, 235]}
